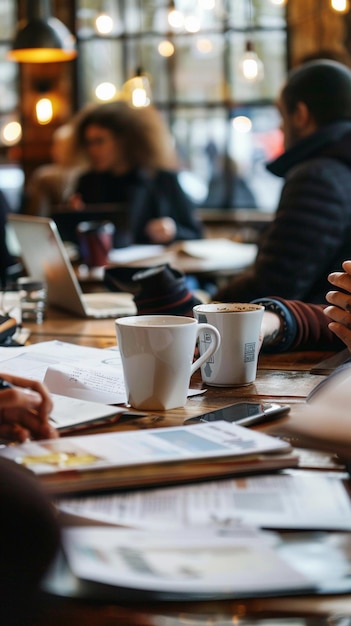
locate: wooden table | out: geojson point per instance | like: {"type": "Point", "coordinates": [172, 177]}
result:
{"type": "Point", "coordinates": [284, 378]}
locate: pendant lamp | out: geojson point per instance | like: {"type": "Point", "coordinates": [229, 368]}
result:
{"type": "Point", "coordinates": [137, 90]}
{"type": "Point", "coordinates": [42, 38]}
{"type": "Point", "coordinates": [250, 65]}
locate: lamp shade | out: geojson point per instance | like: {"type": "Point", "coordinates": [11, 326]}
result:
{"type": "Point", "coordinates": [42, 38]}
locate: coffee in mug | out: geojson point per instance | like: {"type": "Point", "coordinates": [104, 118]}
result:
{"type": "Point", "coordinates": [239, 325]}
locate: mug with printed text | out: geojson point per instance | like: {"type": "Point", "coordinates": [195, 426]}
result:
{"type": "Point", "coordinates": [239, 325]}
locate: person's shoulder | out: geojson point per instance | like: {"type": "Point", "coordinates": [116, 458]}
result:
{"type": "Point", "coordinates": [320, 167]}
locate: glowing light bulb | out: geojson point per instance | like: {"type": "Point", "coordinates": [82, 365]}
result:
{"type": "Point", "coordinates": [250, 65]}
{"type": "Point", "coordinates": [279, 3]}
{"type": "Point", "coordinates": [137, 90]}
{"type": "Point", "coordinates": [342, 6]}
{"type": "Point", "coordinates": [242, 124]}
{"type": "Point", "coordinates": [165, 48]}
{"type": "Point", "coordinates": [44, 111]}
{"type": "Point", "coordinates": [11, 133]}
{"type": "Point", "coordinates": [105, 91]}
{"type": "Point", "coordinates": [140, 97]}
{"type": "Point", "coordinates": [104, 24]}
{"type": "Point", "coordinates": [175, 19]}
{"type": "Point", "coordinates": [204, 45]}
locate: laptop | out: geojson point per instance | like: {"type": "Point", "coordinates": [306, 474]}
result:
{"type": "Point", "coordinates": [45, 258]}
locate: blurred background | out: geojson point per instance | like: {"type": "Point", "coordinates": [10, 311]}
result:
{"type": "Point", "coordinates": [212, 67]}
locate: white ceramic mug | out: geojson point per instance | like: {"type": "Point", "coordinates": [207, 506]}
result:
{"type": "Point", "coordinates": [239, 325]}
{"type": "Point", "coordinates": [157, 354]}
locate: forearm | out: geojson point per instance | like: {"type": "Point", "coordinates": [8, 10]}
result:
{"type": "Point", "coordinates": [294, 324]}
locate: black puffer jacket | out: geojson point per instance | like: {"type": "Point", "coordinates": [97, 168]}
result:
{"type": "Point", "coordinates": [311, 233]}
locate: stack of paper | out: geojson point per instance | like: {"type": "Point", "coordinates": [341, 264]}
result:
{"type": "Point", "coordinates": [88, 375]}
{"type": "Point", "coordinates": [150, 457]}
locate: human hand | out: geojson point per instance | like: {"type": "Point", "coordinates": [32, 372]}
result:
{"type": "Point", "coordinates": [340, 311]}
{"type": "Point", "coordinates": [24, 410]}
{"type": "Point", "coordinates": [76, 203]}
{"type": "Point", "coordinates": [161, 230]}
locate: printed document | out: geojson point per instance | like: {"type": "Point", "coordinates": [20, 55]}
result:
{"type": "Point", "coordinates": [213, 440]}
{"type": "Point", "coordinates": [70, 414]}
{"type": "Point", "coordinates": [187, 562]}
{"type": "Point", "coordinates": [293, 500]}
{"type": "Point", "coordinates": [91, 374]}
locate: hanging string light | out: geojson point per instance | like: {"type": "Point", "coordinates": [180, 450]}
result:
{"type": "Point", "coordinates": [107, 20]}
{"type": "Point", "coordinates": [175, 17]}
{"type": "Point", "coordinates": [44, 111]}
{"type": "Point", "coordinates": [137, 90]}
{"type": "Point", "coordinates": [250, 65]}
{"type": "Point", "coordinates": [104, 24]}
{"type": "Point", "coordinates": [165, 48]}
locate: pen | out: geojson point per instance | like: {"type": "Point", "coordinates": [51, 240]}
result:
{"type": "Point", "coordinates": [4, 384]}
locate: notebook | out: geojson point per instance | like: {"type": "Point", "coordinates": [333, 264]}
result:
{"type": "Point", "coordinates": [45, 258]}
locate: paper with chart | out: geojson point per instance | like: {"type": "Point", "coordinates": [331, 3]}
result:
{"type": "Point", "coordinates": [213, 440]}
{"type": "Point", "coordinates": [238, 560]}
{"type": "Point", "coordinates": [293, 500]}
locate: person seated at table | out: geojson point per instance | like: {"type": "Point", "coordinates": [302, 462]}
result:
{"type": "Point", "coordinates": [133, 162]}
{"type": "Point", "coordinates": [6, 260]}
{"type": "Point", "coordinates": [29, 534]}
{"type": "Point", "coordinates": [24, 409]}
{"type": "Point", "coordinates": [311, 232]}
{"type": "Point", "coordinates": [50, 185]}
{"type": "Point", "coordinates": [289, 324]}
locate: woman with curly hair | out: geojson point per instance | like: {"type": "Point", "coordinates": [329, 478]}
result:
{"type": "Point", "coordinates": [133, 162]}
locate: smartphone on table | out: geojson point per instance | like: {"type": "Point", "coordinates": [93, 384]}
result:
{"type": "Point", "coordinates": [243, 413]}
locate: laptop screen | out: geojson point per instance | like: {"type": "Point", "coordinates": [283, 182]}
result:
{"type": "Point", "coordinates": [45, 258]}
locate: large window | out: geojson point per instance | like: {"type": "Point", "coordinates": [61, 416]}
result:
{"type": "Point", "coordinates": [11, 175]}
{"type": "Point", "coordinates": [8, 69]}
{"type": "Point", "coordinates": [221, 121]}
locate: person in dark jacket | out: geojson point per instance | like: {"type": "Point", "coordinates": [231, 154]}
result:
{"type": "Point", "coordinates": [287, 324]}
{"type": "Point", "coordinates": [133, 163]}
{"type": "Point", "coordinates": [5, 258]}
{"type": "Point", "coordinates": [310, 235]}
{"type": "Point", "coordinates": [290, 324]}
{"type": "Point", "coordinates": [29, 532]}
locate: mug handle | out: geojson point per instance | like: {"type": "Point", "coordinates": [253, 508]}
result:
{"type": "Point", "coordinates": [212, 348]}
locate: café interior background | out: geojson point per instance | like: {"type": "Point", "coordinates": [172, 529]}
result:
{"type": "Point", "coordinates": [191, 52]}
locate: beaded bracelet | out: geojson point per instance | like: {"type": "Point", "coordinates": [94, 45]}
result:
{"type": "Point", "coordinates": [289, 324]}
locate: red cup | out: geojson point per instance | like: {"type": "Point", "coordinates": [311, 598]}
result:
{"type": "Point", "coordinates": [95, 242]}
